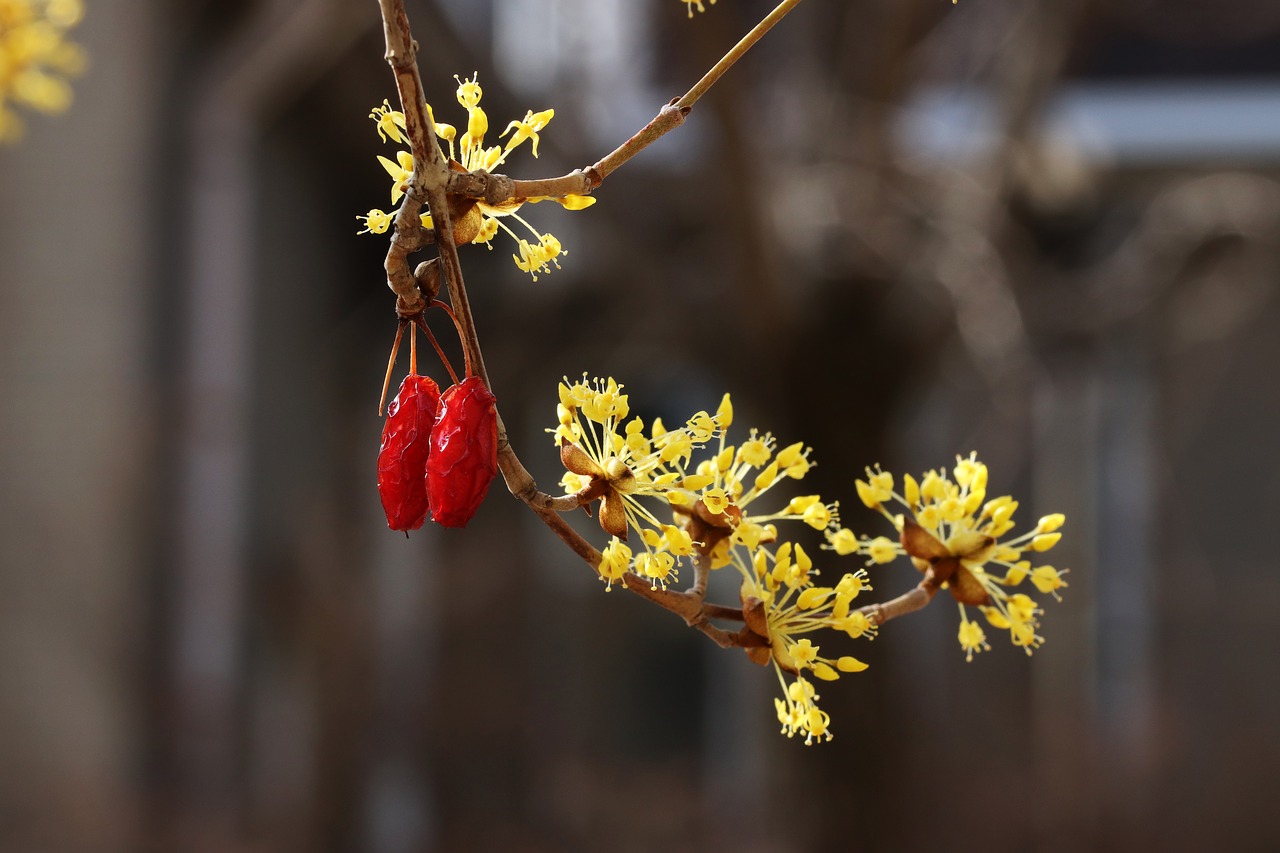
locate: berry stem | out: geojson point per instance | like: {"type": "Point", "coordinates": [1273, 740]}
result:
{"type": "Point", "coordinates": [421, 322]}
{"type": "Point", "coordinates": [458, 328]}
{"type": "Point", "coordinates": [413, 352]}
{"type": "Point", "coordinates": [391, 363]}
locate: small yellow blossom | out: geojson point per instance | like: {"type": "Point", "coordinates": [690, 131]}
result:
{"type": "Point", "coordinates": [614, 563]}
{"type": "Point", "coordinates": [375, 222]}
{"type": "Point", "coordinates": [389, 122]}
{"type": "Point", "coordinates": [1048, 580]}
{"type": "Point", "coordinates": [843, 541]}
{"type": "Point", "coordinates": [799, 712]}
{"type": "Point", "coordinates": [528, 128]}
{"type": "Point", "coordinates": [882, 549]}
{"type": "Point", "coordinates": [535, 259]}
{"type": "Point", "coordinates": [401, 171]}
{"type": "Point", "coordinates": [972, 638]}
{"type": "Point", "coordinates": [691, 4]}
{"type": "Point", "coordinates": [36, 59]}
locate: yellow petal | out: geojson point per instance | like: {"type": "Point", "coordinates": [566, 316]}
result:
{"type": "Point", "coordinates": [826, 673]}
{"type": "Point", "coordinates": [850, 664]}
{"type": "Point", "coordinates": [813, 597]}
{"type": "Point", "coordinates": [1045, 541]}
{"type": "Point", "coordinates": [1050, 523]}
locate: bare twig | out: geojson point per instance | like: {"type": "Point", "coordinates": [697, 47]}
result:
{"type": "Point", "coordinates": [409, 234]}
{"type": "Point", "coordinates": [521, 484]}
{"type": "Point", "coordinates": [908, 602]}
{"type": "Point", "coordinates": [701, 571]}
{"type": "Point", "coordinates": [739, 50]}
{"type": "Point", "coordinates": [495, 189]}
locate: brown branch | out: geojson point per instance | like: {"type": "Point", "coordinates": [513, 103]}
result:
{"type": "Point", "coordinates": [908, 602]}
{"type": "Point", "coordinates": [521, 483]}
{"type": "Point", "coordinates": [409, 234]}
{"type": "Point", "coordinates": [432, 183]}
{"type": "Point", "coordinates": [719, 611]}
{"type": "Point", "coordinates": [701, 572]}
{"type": "Point", "coordinates": [739, 50]}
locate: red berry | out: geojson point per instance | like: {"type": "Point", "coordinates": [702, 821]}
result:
{"type": "Point", "coordinates": [402, 461]}
{"type": "Point", "coordinates": [464, 452]}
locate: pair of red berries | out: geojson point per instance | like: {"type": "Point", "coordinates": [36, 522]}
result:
{"type": "Point", "coordinates": [439, 452]}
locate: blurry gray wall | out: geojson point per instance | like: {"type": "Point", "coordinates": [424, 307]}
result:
{"type": "Point", "coordinates": [78, 426]}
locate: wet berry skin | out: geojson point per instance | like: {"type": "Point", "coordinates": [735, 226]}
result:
{"type": "Point", "coordinates": [402, 460]}
{"type": "Point", "coordinates": [464, 452]}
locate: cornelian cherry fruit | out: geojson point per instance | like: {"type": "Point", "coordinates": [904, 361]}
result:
{"type": "Point", "coordinates": [402, 460]}
{"type": "Point", "coordinates": [464, 452]}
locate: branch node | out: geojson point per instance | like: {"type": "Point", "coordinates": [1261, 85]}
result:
{"type": "Point", "coordinates": [497, 188]}
{"type": "Point", "coordinates": [406, 309]}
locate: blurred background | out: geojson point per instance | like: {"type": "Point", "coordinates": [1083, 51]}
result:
{"type": "Point", "coordinates": [1044, 230]}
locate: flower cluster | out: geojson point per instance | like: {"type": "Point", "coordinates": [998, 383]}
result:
{"type": "Point", "coordinates": [35, 58]}
{"type": "Point", "coordinates": [647, 481]}
{"type": "Point", "coordinates": [478, 221]}
{"type": "Point", "coordinates": [952, 530]}
{"type": "Point", "coordinates": [781, 602]}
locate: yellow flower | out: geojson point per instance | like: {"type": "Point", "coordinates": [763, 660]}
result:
{"type": "Point", "coordinates": [536, 259]}
{"type": "Point", "coordinates": [400, 171]}
{"type": "Point", "coordinates": [715, 506]}
{"type": "Point", "coordinates": [480, 221]}
{"type": "Point", "coordinates": [951, 530]}
{"type": "Point", "coordinates": [614, 460]}
{"type": "Point", "coordinates": [615, 560]}
{"type": "Point", "coordinates": [780, 604]}
{"type": "Point", "coordinates": [972, 639]}
{"type": "Point", "coordinates": [390, 123]}
{"type": "Point", "coordinates": [528, 128]}
{"type": "Point", "coordinates": [882, 550]}
{"type": "Point", "coordinates": [375, 222]}
{"type": "Point", "coordinates": [35, 59]}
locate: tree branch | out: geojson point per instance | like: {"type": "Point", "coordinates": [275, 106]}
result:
{"type": "Point", "coordinates": [433, 183]}
{"type": "Point", "coordinates": [495, 189]}
{"type": "Point", "coordinates": [409, 234]}
{"type": "Point", "coordinates": [908, 602]}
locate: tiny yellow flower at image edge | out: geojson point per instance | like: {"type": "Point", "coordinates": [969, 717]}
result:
{"type": "Point", "coordinates": [36, 59]}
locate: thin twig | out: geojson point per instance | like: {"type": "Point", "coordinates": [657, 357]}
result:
{"type": "Point", "coordinates": [521, 484]}
{"type": "Point", "coordinates": [420, 321]}
{"type": "Point", "coordinates": [409, 235]}
{"type": "Point", "coordinates": [909, 602]}
{"type": "Point", "coordinates": [391, 363]}
{"type": "Point", "coordinates": [701, 571]}
{"type": "Point", "coordinates": [495, 189]}
{"type": "Point", "coordinates": [739, 50]}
